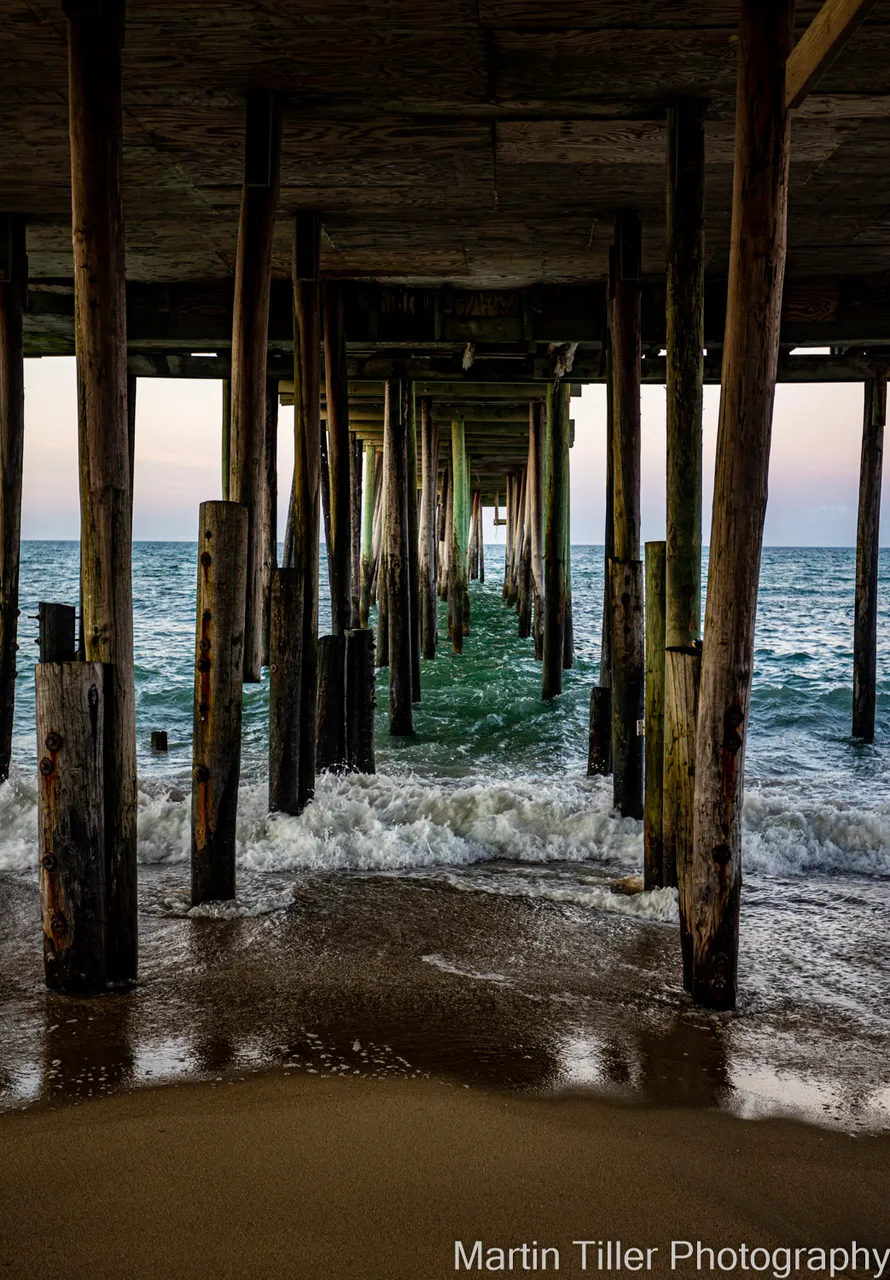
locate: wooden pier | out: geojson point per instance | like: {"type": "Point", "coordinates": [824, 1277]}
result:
{"type": "Point", "coordinates": [427, 228]}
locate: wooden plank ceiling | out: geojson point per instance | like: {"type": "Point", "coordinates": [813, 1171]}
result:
{"type": "Point", "coordinates": [485, 143]}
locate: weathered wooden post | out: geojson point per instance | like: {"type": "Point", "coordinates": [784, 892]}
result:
{"type": "Point", "coordinates": [324, 483]}
{"type": "Point", "coordinates": [337, 400]}
{"type": "Point", "coordinates": [555, 542]}
{"type": "Point", "coordinates": [285, 690]}
{"type": "Point", "coordinates": [429, 462]}
{"type": "Point", "coordinates": [71, 824]}
{"type": "Point", "coordinates": [568, 650]}
{"type": "Point", "coordinates": [685, 371]}
{"type": "Point", "coordinates": [395, 557]}
{"type": "Point", "coordinates": [458, 589]}
{"type": "Point", "coordinates": [599, 756]}
{"type": "Point", "coordinates": [599, 745]}
{"type": "Point", "coordinates": [270, 506]}
{"type": "Point", "coordinates": [509, 516]}
{"type": "Point", "coordinates": [627, 611]}
{"type": "Point", "coordinates": [356, 455]}
{"type": "Point", "coordinates": [307, 463]}
{"type": "Point", "coordinates": [628, 679]}
{"type": "Point", "coordinates": [219, 666]}
{"type": "Point", "coordinates": [369, 496]}
{"type": "Point", "coordinates": [750, 357]}
{"type": "Point", "coordinates": [13, 286]}
{"type": "Point", "coordinates": [865, 630]}
{"type": "Point", "coordinates": [653, 815]}
{"type": "Point", "coordinates": [360, 701]}
{"type": "Point", "coordinates": [250, 332]}
{"type": "Point", "coordinates": [331, 724]}
{"type": "Point", "coordinates": [536, 517]}
{"type": "Point", "coordinates": [95, 36]}
{"type": "Point", "coordinates": [57, 632]}
{"type": "Point", "coordinates": [526, 586]}
{"type": "Point", "coordinates": [446, 509]}
{"type": "Point", "coordinates": [413, 544]}
{"type": "Point", "coordinates": [226, 435]}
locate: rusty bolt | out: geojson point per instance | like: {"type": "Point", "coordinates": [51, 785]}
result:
{"type": "Point", "coordinates": [47, 766]}
{"type": "Point", "coordinates": [274, 666]}
{"type": "Point", "coordinates": [54, 742]}
{"type": "Point", "coordinates": [203, 664]}
{"type": "Point", "coordinates": [206, 558]}
{"type": "Point", "coordinates": [204, 645]}
{"type": "Point", "coordinates": [202, 773]}
{"type": "Point", "coordinates": [49, 862]}
{"type": "Point", "coordinates": [207, 615]}
{"type": "Point", "coordinates": [58, 923]}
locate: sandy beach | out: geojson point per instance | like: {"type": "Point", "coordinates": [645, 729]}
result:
{"type": "Point", "coordinates": [376, 1180]}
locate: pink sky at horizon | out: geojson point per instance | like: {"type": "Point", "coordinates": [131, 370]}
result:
{"type": "Point", "coordinates": [814, 467]}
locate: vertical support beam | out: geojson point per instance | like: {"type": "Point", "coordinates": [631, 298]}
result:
{"type": "Point", "coordinates": [395, 557]}
{"type": "Point", "coordinates": [444, 533]}
{"type": "Point", "coordinates": [509, 516]}
{"type": "Point", "coordinates": [458, 588]}
{"type": "Point", "coordinates": [568, 651]}
{"type": "Point", "coordinates": [626, 595]}
{"type": "Point", "coordinates": [71, 822]}
{"type": "Point", "coordinates": [536, 517]}
{"type": "Point", "coordinates": [555, 540]}
{"type": "Point", "coordinates": [682, 671]}
{"type": "Point", "coordinates": [609, 535]}
{"type": "Point", "coordinates": [524, 600]}
{"type": "Point", "coordinates": [599, 743]}
{"type": "Point", "coordinates": [413, 544]}
{"type": "Point", "coordinates": [250, 334]}
{"type": "Point", "coordinates": [750, 357]}
{"type": "Point", "coordinates": [307, 466]}
{"type": "Point", "coordinates": [95, 37]}
{"type": "Point", "coordinates": [356, 454]}
{"type": "Point", "coordinates": [13, 287]}
{"type": "Point", "coordinates": [219, 658]}
{"type": "Point", "coordinates": [626, 373]}
{"type": "Point", "coordinates": [360, 701]}
{"type": "Point", "coordinates": [865, 628]}
{"type": "Point", "coordinates": [337, 401]}
{"type": "Point", "coordinates": [285, 689]}
{"type": "Point", "coordinates": [331, 724]}
{"type": "Point", "coordinates": [369, 495]}
{"type": "Point", "coordinates": [325, 491]}
{"type": "Point", "coordinates": [226, 436]}
{"type": "Point", "coordinates": [653, 815]}
{"type": "Point", "coordinates": [57, 632]}
{"type": "Point", "coordinates": [270, 507]}
{"type": "Point", "coordinates": [429, 462]}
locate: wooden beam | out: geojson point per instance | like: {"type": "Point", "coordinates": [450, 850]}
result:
{"type": "Point", "coordinates": [835, 23]}
{"type": "Point", "coordinates": [13, 281]}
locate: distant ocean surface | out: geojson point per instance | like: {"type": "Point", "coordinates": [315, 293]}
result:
{"type": "Point", "coordinates": [491, 795]}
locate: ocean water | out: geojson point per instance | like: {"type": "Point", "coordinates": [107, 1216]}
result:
{"type": "Point", "coordinates": [490, 797]}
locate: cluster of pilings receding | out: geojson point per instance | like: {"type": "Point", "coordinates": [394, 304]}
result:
{"type": "Point", "coordinates": [398, 467]}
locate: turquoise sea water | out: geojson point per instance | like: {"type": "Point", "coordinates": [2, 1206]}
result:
{"type": "Point", "coordinates": [490, 797]}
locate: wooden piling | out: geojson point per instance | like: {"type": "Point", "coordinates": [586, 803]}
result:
{"type": "Point", "coordinates": [458, 588]}
{"type": "Point", "coordinates": [307, 464]}
{"type": "Point", "coordinates": [250, 332]}
{"type": "Point", "coordinates": [568, 651]}
{"type": "Point", "coordinates": [226, 436]}
{"type": "Point", "coordinates": [526, 587]}
{"type": "Point", "coordinates": [429, 462]}
{"type": "Point", "coordinates": [337, 400]}
{"type": "Point", "coordinates": [626, 599]}
{"type": "Point", "coordinates": [285, 690]}
{"type": "Point", "coordinates": [71, 824]}
{"type": "Point", "coordinates": [413, 545]}
{"type": "Point", "coordinates": [681, 684]}
{"type": "Point", "coordinates": [655, 874]}
{"type": "Point", "coordinates": [57, 632]}
{"type": "Point", "coordinates": [382, 641]}
{"type": "Point", "coordinates": [555, 542]}
{"type": "Point", "coordinates": [609, 533]}
{"type": "Point", "coordinates": [536, 518]}
{"type": "Point", "coordinates": [324, 486]}
{"type": "Point", "coordinates": [159, 740]}
{"type": "Point", "coordinates": [599, 745]}
{"type": "Point", "coordinates": [685, 370]}
{"type": "Point", "coordinates": [446, 508]}
{"type": "Point", "coordinates": [395, 544]}
{"type": "Point", "coordinates": [510, 517]}
{"type": "Point", "coordinates": [13, 286]}
{"type": "Point", "coordinates": [219, 665]}
{"type": "Point", "coordinates": [270, 506]}
{"type": "Point", "coordinates": [331, 724]}
{"type": "Point", "coordinates": [865, 628]}
{"type": "Point", "coordinates": [95, 35]}
{"type": "Point", "coordinates": [360, 701]}
{"type": "Point", "coordinates": [356, 456]}
{"type": "Point", "coordinates": [750, 358]}
{"type": "Point", "coordinates": [368, 499]}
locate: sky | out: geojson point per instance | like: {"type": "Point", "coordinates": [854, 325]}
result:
{"type": "Point", "coordinates": [814, 465]}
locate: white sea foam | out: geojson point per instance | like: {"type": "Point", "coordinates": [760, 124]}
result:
{"type": "Point", "coordinates": [390, 824]}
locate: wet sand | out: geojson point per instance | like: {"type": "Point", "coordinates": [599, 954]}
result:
{"type": "Point", "coordinates": [297, 1177]}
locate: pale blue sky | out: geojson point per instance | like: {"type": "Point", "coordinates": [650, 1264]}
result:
{"type": "Point", "coordinates": [814, 467]}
